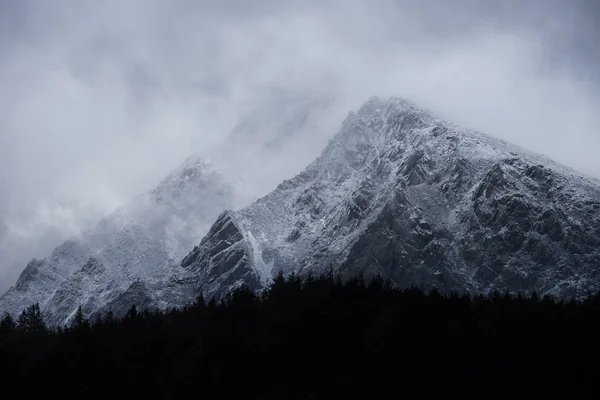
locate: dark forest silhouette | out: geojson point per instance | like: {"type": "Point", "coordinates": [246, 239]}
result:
{"type": "Point", "coordinates": [312, 338]}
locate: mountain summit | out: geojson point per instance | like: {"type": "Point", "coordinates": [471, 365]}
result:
{"type": "Point", "coordinates": [126, 257]}
{"type": "Point", "coordinates": [403, 195]}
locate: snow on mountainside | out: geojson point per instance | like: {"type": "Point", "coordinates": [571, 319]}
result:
{"type": "Point", "coordinates": [132, 256]}
{"type": "Point", "coordinates": [136, 247]}
{"type": "Point", "coordinates": [396, 193]}
{"type": "Point", "coordinates": [401, 194]}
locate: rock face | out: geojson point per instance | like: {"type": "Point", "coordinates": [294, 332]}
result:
{"type": "Point", "coordinates": [130, 257]}
{"type": "Point", "coordinates": [226, 263]}
{"type": "Point", "coordinates": [401, 194]}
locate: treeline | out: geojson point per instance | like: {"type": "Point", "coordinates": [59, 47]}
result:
{"type": "Point", "coordinates": [313, 338]}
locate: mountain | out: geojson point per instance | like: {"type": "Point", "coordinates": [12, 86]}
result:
{"type": "Point", "coordinates": [127, 256]}
{"type": "Point", "coordinates": [401, 194]}
{"type": "Point", "coordinates": [133, 256]}
{"type": "Point", "coordinates": [396, 192]}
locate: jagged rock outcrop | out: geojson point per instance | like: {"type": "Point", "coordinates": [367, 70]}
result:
{"type": "Point", "coordinates": [228, 261]}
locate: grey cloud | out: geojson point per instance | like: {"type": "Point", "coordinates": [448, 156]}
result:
{"type": "Point", "coordinates": [99, 100]}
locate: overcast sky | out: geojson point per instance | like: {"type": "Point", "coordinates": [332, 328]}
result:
{"type": "Point", "coordinates": [100, 99]}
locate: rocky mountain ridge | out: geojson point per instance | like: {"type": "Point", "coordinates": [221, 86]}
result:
{"type": "Point", "coordinates": [401, 194]}
{"type": "Point", "coordinates": [396, 193]}
{"type": "Point", "coordinates": [138, 246]}
{"type": "Point", "coordinates": [132, 256]}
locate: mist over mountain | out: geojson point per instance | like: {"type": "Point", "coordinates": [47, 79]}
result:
{"type": "Point", "coordinates": [397, 193]}
{"type": "Point", "coordinates": [132, 256]}
{"type": "Point", "coordinates": [313, 199]}
{"type": "Point", "coordinates": [101, 100]}
{"type": "Point", "coordinates": [403, 195]}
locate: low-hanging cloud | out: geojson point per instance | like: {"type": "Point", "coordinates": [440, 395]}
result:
{"type": "Point", "coordinates": [99, 100]}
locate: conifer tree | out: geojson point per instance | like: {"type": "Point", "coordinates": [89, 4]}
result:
{"type": "Point", "coordinates": [31, 320]}
{"type": "Point", "coordinates": [7, 326]}
{"type": "Point", "coordinates": [132, 313]}
{"type": "Point", "coordinates": [79, 321]}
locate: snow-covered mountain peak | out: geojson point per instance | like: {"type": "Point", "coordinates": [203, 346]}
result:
{"type": "Point", "coordinates": [132, 255]}
{"type": "Point", "coordinates": [192, 171]}
{"type": "Point", "coordinates": [139, 242]}
{"type": "Point", "coordinates": [191, 166]}
{"type": "Point", "coordinates": [396, 192]}
{"type": "Point", "coordinates": [402, 194]}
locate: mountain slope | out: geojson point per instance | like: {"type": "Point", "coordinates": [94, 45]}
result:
{"type": "Point", "coordinates": [129, 252]}
{"type": "Point", "coordinates": [396, 193]}
{"type": "Point", "coordinates": [132, 256]}
{"type": "Point", "coordinates": [401, 194]}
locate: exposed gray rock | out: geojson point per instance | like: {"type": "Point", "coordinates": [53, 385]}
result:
{"type": "Point", "coordinates": [137, 294]}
